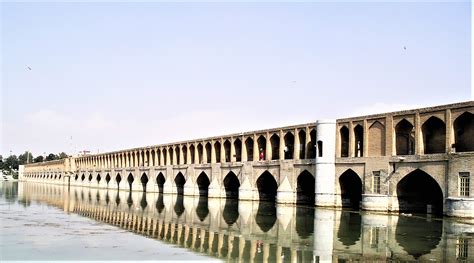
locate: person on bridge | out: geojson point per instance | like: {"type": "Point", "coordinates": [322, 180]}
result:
{"type": "Point", "coordinates": [262, 155]}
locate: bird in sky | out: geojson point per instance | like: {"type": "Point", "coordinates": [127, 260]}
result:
{"type": "Point", "coordinates": [404, 47]}
{"type": "Point", "coordinates": [29, 68]}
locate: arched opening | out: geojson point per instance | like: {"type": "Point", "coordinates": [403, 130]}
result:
{"type": "Point", "coordinates": [200, 150]}
{"type": "Point", "coordinates": [152, 160]}
{"type": "Point", "coordinates": [262, 147]}
{"type": "Point", "coordinates": [419, 192]}
{"type": "Point", "coordinates": [171, 154]}
{"type": "Point", "coordinates": [344, 136]}
{"type": "Point", "coordinates": [165, 156]}
{"type": "Point", "coordinates": [185, 154]}
{"type": "Point", "coordinates": [231, 185]}
{"type": "Point", "coordinates": [376, 139]}
{"type": "Point", "coordinates": [249, 147]}
{"type": "Point", "coordinates": [275, 144]}
{"type": "Point", "coordinates": [351, 189]}
{"type": "Point", "coordinates": [302, 138]}
{"type": "Point", "coordinates": [208, 152]}
{"type": "Point", "coordinates": [217, 150]}
{"type": "Point", "coordinates": [418, 236]}
{"type": "Point", "coordinates": [349, 231]}
{"type": "Point", "coordinates": [55, 176]}
{"type": "Point", "coordinates": [305, 189]}
{"type": "Point", "coordinates": [267, 187]}
{"type": "Point", "coordinates": [178, 157]}
{"type": "Point", "coordinates": [238, 150]}
{"type": "Point", "coordinates": [59, 177]}
{"type": "Point", "coordinates": [191, 152]}
{"type": "Point", "coordinates": [130, 180]}
{"type": "Point", "coordinates": [147, 160]}
{"type": "Point", "coordinates": [434, 136]}
{"type": "Point", "coordinates": [98, 178]}
{"type": "Point", "coordinates": [118, 179]}
{"type": "Point", "coordinates": [90, 177]}
{"type": "Point", "coordinates": [405, 138]}
{"type": "Point", "coordinates": [144, 181]}
{"type": "Point", "coordinates": [160, 180]}
{"type": "Point", "coordinates": [289, 145]}
{"type": "Point", "coordinates": [179, 181]}
{"type": "Point", "coordinates": [312, 145]}
{"type": "Point", "coordinates": [464, 132]}
{"type": "Point", "coordinates": [75, 178]}
{"type": "Point", "coordinates": [107, 179]}
{"type": "Point", "coordinates": [359, 141]}
{"type": "Point", "coordinates": [203, 184]}
{"type": "Point", "coordinates": [227, 151]}
{"type": "Point", "coordinates": [319, 148]}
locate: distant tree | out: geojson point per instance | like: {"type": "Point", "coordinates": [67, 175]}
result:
{"type": "Point", "coordinates": [51, 157]}
{"type": "Point", "coordinates": [38, 159]}
{"type": "Point", "coordinates": [25, 158]}
{"type": "Point", "coordinates": [62, 155]}
{"type": "Point", "coordinates": [11, 163]}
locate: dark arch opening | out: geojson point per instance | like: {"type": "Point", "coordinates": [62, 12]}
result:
{"type": "Point", "coordinates": [178, 158]}
{"type": "Point", "coordinates": [359, 141]}
{"type": "Point", "coordinates": [351, 189]}
{"type": "Point", "coordinates": [418, 236]}
{"type": "Point", "coordinates": [130, 180]}
{"type": "Point", "coordinates": [302, 138]}
{"type": "Point", "coordinates": [171, 155]}
{"type": "Point", "coordinates": [203, 184]}
{"type": "Point", "coordinates": [305, 189]}
{"type": "Point", "coordinates": [227, 151]}
{"type": "Point", "coordinates": [144, 181]}
{"type": "Point", "coordinates": [419, 192]}
{"type": "Point", "coordinates": [249, 147]}
{"type": "Point", "coordinates": [217, 150]}
{"type": "Point", "coordinates": [179, 181]}
{"type": "Point", "coordinates": [231, 211]}
{"type": "Point", "coordinates": [165, 157]}
{"type": "Point", "coordinates": [107, 179]}
{"type": "Point", "coordinates": [289, 145]}
{"type": "Point", "coordinates": [98, 178]}
{"type": "Point", "coordinates": [275, 143]}
{"type": "Point", "coordinates": [83, 177]}
{"type": "Point", "coordinates": [344, 135]}
{"type": "Point", "coordinates": [464, 132]}
{"type": "Point", "coordinates": [90, 177]}
{"type": "Point", "coordinates": [199, 149]}
{"type": "Point", "coordinates": [434, 135]}
{"type": "Point", "coordinates": [312, 145]}
{"type": "Point", "coordinates": [208, 152]}
{"type": "Point", "coordinates": [267, 187]}
{"type": "Point", "coordinates": [118, 179]}
{"type": "Point", "coordinates": [262, 147]}
{"type": "Point", "coordinates": [231, 185]}
{"type": "Point", "coordinates": [160, 180]}
{"type": "Point", "coordinates": [266, 215]}
{"type": "Point", "coordinates": [350, 228]}
{"type": "Point", "coordinates": [191, 153]}
{"type": "Point", "coordinates": [185, 154]}
{"type": "Point", "coordinates": [238, 150]}
{"type": "Point", "coordinates": [405, 138]}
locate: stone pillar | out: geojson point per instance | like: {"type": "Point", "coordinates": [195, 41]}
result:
{"type": "Point", "coordinates": [325, 164]}
{"type": "Point", "coordinates": [268, 150]}
{"type": "Point", "coordinates": [365, 146]}
{"type": "Point", "coordinates": [232, 150]}
{"type": "Point", "coordinates": [418, 136]}
{"type": "Point", "coordinates": [204, 152]}
{"type": "Point", "coordinates": [188, 154]}
{"type": "Point", "coordinates": [162, 157]}
{"type": "Point", "coordinates": [297, 149]}
{"type": "Point", "coordinates": [196, 153]}
{"type": "Point", "coordinates": [135, 161]}
{"type": "Point", "coordinates": [181, 155]}
{"type": "Point", "coordinates": [256, 150]}
{"type": "Point", "coordinates": [244, 150]}
{"type": "Point", "coordinates": [213, 152]}
{"type": "Point", "coordinates": [352, 149]}
{"type": "Point", "coordinates": [449, 131]}
{"type": "Point", "coordinates": [140, 158]}
{"type": "Point", "coordinates": [281, 146]}
{"type": "Point", "coordinates": [308, 140]}
{"type": "Point", "coordinates": [175, 159]}
{"type": "Point", "coordinates": [223, 160]}
{"type": "Point", "coordinates": [168, 161]}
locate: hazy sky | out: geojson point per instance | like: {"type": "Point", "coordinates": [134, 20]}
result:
{"type": "Point", "coordinates": [120, 75]}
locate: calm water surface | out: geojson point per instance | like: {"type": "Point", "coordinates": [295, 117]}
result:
{"type": "Point", "coordinates": [49, 222]}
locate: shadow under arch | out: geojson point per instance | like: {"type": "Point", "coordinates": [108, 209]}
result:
{"type": "Point", "coordinates": [160, 180]}
{"type": "Point", "coordinates": [160, 205]}
{"type": "Point", "coordinates": [351, 189]}
{"type": "Point", "coordinates": [418, 191]}
{"type": "Point", "coordinates": [231, 185]}
{"type": "Point", "coordinates": [179, 181]}
{"type": "Point", "coordinates": [418, 236]}
{"type": "Point", "coordinates": [304, 221]}
{"type": "Point", "coordinates": [202, 209]}
{"type": "Point", "coordinates": [305, 189]}
{"type": "Point", "coordinates": [349, 228]}
{"type": "Point", "coordinates": [179, 205]}
{"type": "Point", "coordinates": [143, 201]}
{"type": "Point", "coordinates": [266, 215]}
{"type": "Point", "coordinates": [267, 187]}
{"type": "Point", "coordinates": [203, 184]}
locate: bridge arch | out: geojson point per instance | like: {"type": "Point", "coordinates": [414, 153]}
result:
{"type": "Point", "coordinates": [90, 177]}
{"type": "Point", "coordinates": [171, 156]}
{"type": "Point", "coordinates": [107, 179]}
{"type": "Point", "coordinates": [192, 153]}
{"type": "Point", "coordinates": [267, 187]}
{"type": "Point", "coordinates": [217, 150]}
{"type": "Point", "coordinates": [275, 144]}
{"type": "Point", "coordinates": [464, 132]}
{"type": "Point", "coordinates": [434, 135]}
{"type": "Point", "coordinates": [405, 138]}
{"type": "Point", "coordinates": [144, 181]}
{"type": "Point", "coordinates": [203, 184]}
{"type": "Point", "coordinates": [160, 180]}
{"type": "Point", "coordinates": [351, 189]}
{"type": "Point", "coordinates": [302, 138]}
{"type": "Point", "coordinates": [359, 141]}
{"type": "Point", "coordinates": [184, 149]}
{"type": "Point", "coordinates": [200, 153]}
{"type": "Point", "coordinates": [177, 153]}
{"type": "Point", "coordinates": [231, 185]}
{"type": "Point", "coordinates": [165, 157]}
{"type": "Point", "coordinates": [118, 179]}
{"type": "Point", "coordinates": [75, 177]}
{"type": "Point", "coordinates": [289, 140]}
{"type": "Point", "coordinates": [179, 181]}
{"type": "Point", "coordinates": [249, 148]}
{"type": "Point", "coordinates": [238, 150]}
{"type": "Point", "coordinates": [344, 141]}
{"type": "Point", "coordinates": [227, 147]}
{"type": "Point", "coordinates": [305, 188]}
{"type": "Point", "coordinates": [130, 180]}
{"type": "Point", "coordinates": [311, 146]}
{"type": "Point", "coordinates": [208, 152]}
{"type": "Point", "coordinates": [376, 146]}
{"type": "Point", "coordinates": [418, 191]}
{"type": "Point", "coordinates": [98, 178]}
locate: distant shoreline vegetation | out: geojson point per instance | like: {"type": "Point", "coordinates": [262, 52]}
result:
{"type": "Point", "coordinates": [10, 164]}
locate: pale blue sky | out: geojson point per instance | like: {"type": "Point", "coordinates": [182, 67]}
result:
{"type": "Point", "coordinates": [121, 75]}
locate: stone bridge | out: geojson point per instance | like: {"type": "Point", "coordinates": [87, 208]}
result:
{"type": "Point", "coordinates": [417, 160]}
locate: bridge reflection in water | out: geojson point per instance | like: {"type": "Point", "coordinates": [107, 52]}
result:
{"type": "Point", "coordinates": [263, 231]}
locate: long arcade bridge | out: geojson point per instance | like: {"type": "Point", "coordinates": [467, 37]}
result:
{"type": "Point", "coordinates": [419, 160]}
